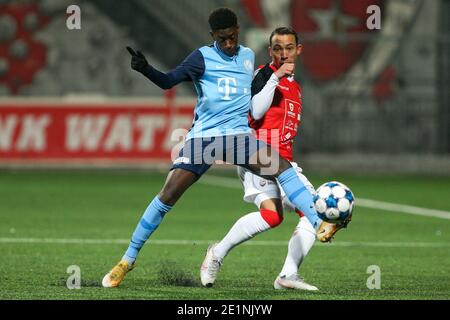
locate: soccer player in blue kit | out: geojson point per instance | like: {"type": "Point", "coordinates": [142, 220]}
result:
{"type": "Point", "coordinates": [222, 74]}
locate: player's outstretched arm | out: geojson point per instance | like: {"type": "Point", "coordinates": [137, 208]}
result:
{"type": "Point", "coordinates": [188, 70]}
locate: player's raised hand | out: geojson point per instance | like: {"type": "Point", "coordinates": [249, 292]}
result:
{"type": "Point", "coordinates": [286, 70]}
{"type": "Point", "coordinates": [138, 61]}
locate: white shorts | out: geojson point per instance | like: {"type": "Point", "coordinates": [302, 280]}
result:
{"type": "Point", "coordinates": [258, 189]}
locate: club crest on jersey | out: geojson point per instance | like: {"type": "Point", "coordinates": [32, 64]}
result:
{"type": "Point", "coordinates": [291, 110]}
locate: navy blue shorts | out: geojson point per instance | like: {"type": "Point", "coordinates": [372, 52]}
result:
{"type": "Point", "coordinates": [199, 154]}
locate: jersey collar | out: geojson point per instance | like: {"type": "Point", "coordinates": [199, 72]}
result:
{"type": "Point", "coordinates": [224, 55]}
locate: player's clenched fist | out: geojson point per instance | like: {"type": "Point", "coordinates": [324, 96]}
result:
{"type": "Point", "coordinates": [286, 70]}
{"type": "Point", "coordinates": [138, 61]}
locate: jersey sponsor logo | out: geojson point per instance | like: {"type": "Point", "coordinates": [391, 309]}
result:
{"type": "Point", "coordinates": [290, 125]}
{"type": "Point", "coordinates": [224, 85]}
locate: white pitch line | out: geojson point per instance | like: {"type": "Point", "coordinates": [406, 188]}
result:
{"type": "Point", "coordinates": [381, 205]}
{"type": "Point", "coordinates": [206, 242]}
{"type": "Point", "coordinates": [366, 203]}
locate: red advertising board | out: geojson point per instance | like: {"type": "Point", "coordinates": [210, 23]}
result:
{"type": "Point", "coordinates": [89, 132]}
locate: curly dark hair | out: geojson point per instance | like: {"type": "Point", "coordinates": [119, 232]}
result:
{"type": "Point", "coordinates": [222, 18]}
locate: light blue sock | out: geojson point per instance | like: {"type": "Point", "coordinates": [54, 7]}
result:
{"type": "Point", "coordinates": [299, 195]}
{"type": "Point", "coordinates": [150, 220]}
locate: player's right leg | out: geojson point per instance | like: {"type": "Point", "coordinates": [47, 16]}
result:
{"type": "Point", "coordinates": [178, 181]}
{"type": "Point", "coordinates": [266, 195]}
{"type": "Point", "coordinates": [183, 174]}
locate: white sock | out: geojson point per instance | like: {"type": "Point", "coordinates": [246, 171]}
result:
{"type": "Point", "coordinates": [299, 245]}
{"type": "Point", "coordinates": [245, 228]}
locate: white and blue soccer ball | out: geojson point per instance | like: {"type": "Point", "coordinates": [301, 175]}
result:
{"type": "Point", "coordinates": [334, 202]}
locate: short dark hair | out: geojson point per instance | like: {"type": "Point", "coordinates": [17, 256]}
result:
{"type": "Point", "coordinates": [283, 31]}
{"type": "Point", "coordinates": [222, 18]}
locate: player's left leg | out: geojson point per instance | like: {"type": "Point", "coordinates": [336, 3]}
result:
{"type": "Point", "coordinates": [300, 243]}
{"type": "Point", "coordinates": [245, 228]}
{"type": "Point", "coordinates": [266, 195]}
{"type": "Point", "coordinates": [266, 161]}
{"type": "Point", "coordinates": [250, 225]}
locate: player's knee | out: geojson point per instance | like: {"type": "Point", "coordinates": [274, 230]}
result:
{"type": "Point", "coordinates": [168, 196]}
{"type": "Point", "coordinates": [284, 165]}
{"type": "Point", "coordinates": [272, 218]}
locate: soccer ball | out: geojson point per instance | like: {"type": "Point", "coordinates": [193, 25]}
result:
{"type": "Point", "coordinates": [334, 202]}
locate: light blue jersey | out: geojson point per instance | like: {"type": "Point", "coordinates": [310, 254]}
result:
{"type": "Point", "coordinates": [224, 93]}
{"type": "Point", "coordinates": [223, 84]}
